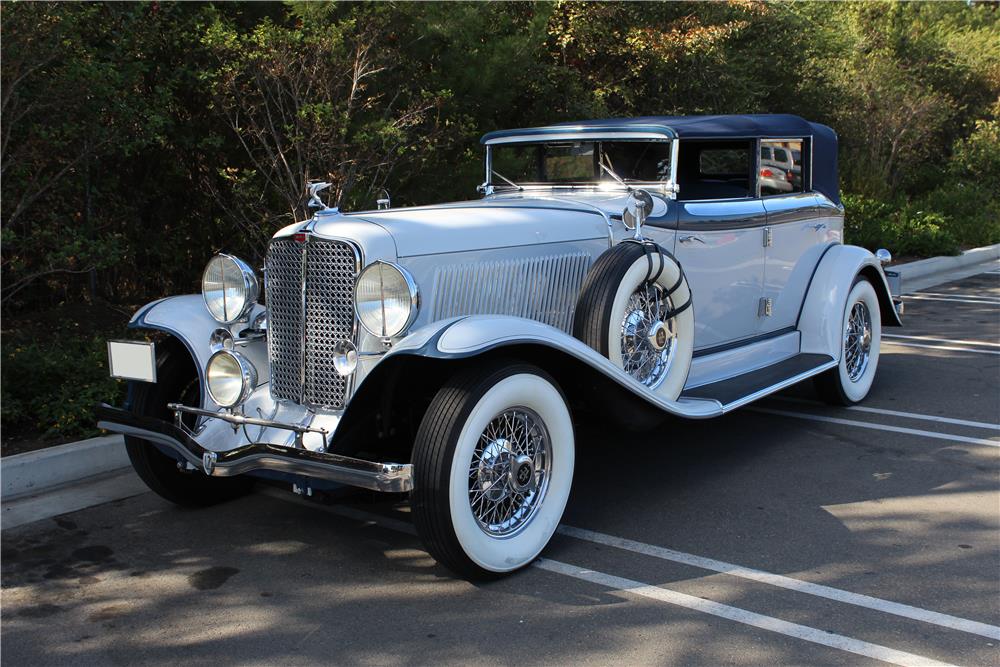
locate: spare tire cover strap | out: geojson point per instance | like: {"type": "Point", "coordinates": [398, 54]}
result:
{"type": "Point", "coordinates": [649, 247]}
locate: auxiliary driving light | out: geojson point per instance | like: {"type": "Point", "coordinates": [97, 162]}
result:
{"type": "Point", "coordinates": [231, 378]}
{"type": "Point", "coordinates": [345, 357]}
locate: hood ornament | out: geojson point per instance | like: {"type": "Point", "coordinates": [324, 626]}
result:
{"type": "Point", "coordinates": [315, 201]}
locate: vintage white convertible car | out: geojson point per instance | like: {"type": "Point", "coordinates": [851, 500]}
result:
{"type": "Point", "coordinates": [626, 269]}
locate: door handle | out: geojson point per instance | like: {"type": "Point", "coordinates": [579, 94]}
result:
{"type": "Point", "coordinates": [818, 226]}
{"type": "Point", "coordinates": [691, 239]}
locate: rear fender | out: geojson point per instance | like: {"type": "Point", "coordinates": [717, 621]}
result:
{"type": "Point", "coordinates": [821, 319]}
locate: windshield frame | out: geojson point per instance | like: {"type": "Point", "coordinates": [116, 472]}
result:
{"type": "Point", "coordinates": [668, 187]}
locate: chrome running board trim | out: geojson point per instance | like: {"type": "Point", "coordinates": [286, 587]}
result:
{"type": "Point", "coordinates": [795, 379]}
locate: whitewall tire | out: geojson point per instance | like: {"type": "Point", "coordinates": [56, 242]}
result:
{"type": "Point", "coordinates": [635, 309]}
{"type": "Point", "coordinates": [851, 380]}
{"type": "Point", "coordinates": [493, 466]}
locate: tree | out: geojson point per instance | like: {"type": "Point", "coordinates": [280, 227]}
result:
{"type": "Point", "coordinates": [307, 99]}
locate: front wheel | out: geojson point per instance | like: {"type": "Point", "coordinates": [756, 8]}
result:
{"type": "Point", "coordinates": [851, 380]}
{"type": "Point", "coordinates": [493, 466]}
{"type": "Point", "coordinates": [177, 382]}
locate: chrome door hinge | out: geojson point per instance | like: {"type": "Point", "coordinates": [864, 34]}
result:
{"type": "Point", "coordinates": [767, 237]}
{"type": "Point", "coordinates": [764, 307]}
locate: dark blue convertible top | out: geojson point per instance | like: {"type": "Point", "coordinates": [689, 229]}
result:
{"type": "Point", "coordinates": [741, 126]}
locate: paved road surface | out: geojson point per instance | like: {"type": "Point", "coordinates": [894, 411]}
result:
{"type": "Point", "coordinates": [771, 536]}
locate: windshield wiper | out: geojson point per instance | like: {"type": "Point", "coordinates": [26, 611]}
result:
{"type": "Point", "coordinates": [611, 172]}
{"type": "Point", "coordinates": [510, 182]}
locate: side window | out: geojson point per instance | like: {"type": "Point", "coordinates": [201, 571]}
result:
{"type": "Point", "coordinates": [781, 167]}
{"type": "Point", "coordinates": [715, 169]}
{"type": "Point", "coordinates": [722, 163]}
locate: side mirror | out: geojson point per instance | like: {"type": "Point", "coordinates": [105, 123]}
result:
{"type": "Point", "coordinates": [383, 201]}
{"type": "Point", "coordinates": [883, 256]}
{"type": "Point", "coordinates": [638, 204]}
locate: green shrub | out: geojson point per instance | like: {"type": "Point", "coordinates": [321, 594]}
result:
{"type": "Point", "coordinates": [904, 230]}
{"type": "Point", "coordinates": [923, 234]}
{"type": "Point", "coordinates": [973, 212]}
{"type": "Point", "coordinates": [867, 221]}
{"type": "Point", "coordinates": [50, 387]}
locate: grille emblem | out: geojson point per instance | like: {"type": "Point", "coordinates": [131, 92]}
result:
{"type": "Point", "coordinates": [300, 237]}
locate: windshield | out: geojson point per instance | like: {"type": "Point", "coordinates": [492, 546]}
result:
{"type": "Point", "coordinates": [579, 162]}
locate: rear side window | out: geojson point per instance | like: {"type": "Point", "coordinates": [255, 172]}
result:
{"type": "Point", "coordinates": [781, 170]}
{"type": "Point", "coordinates": [715, 169]}
{"type": "Point", "coordinates": [722, 162]}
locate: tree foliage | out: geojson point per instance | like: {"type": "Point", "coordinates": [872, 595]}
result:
{"type": "Point", "coordinates": [139, 138]}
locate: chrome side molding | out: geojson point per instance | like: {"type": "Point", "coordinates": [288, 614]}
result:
{"type": "Point", "coordinates": [373, 475]}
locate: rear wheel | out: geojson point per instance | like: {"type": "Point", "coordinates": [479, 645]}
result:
{"type": "Point", "coordinates": [850, 381]}
{"type": "Point", "coordinates": [493, 465]}
{"type": "Point", "coordinates": [177, 382]}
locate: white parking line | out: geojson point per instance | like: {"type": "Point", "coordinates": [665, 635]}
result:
{"type": "Point", "coordinates": [896, 413]}
{"type": "Point", "coordinates": [941, 298]}
{"type": "Point", "coordinates": [878, 427]}
{"type": "Point", "coordinates": [781, 581]}
{"type": "Point", "coordinates": [620, 584]}
{"type": "Point", "coordinates": [804, 632]}
{"type": "Point", "coordinates": [942, 340]}
{"type": "Point", "coordinates": [986, 297]}
{"type": "Point", "coordinates": [942, 347]}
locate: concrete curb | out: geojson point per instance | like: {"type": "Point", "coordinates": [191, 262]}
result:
{"type": "Point", "coordinates": [34, 472]}
{"type": "Point", "coordinates": [927, 268]}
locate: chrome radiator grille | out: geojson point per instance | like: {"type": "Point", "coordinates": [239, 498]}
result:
{"type": "Point", "coordinates": [310, 303]}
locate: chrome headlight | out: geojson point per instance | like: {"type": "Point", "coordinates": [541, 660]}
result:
{"type": "Point", "coordinates": [386, 299]}
{"type": "Point", "coordinates": [231, 378]}
{"type": "Point", "coordinates": [229, 287]}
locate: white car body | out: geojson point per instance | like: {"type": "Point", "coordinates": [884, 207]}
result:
{"type": "Point", "coordinates": [769, 277]}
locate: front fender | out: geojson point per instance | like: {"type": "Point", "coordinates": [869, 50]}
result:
{"type": "Point", "coordinates": [821, 319]}
{"type": "Point", "coordinates": [187, 319]}
{"type": "Point", "coordinates": [467, 337]}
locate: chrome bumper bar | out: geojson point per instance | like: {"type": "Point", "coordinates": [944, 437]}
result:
{"type": "Point", "coordinates": [388, 477]}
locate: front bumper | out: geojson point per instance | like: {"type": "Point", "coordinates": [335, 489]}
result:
{"type": "Point", "coordinates": [387, 477]}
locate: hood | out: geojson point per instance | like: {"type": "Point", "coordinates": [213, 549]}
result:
{"type": "Point", "coordinates": [500, 221]}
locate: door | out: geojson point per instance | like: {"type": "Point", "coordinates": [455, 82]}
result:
{"type": "Point", "coordinates": [719, 246]}
{"type": "Point", "coordinates": [797, 238]}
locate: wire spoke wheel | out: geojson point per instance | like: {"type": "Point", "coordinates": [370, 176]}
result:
{"type": "Point", "coordinates": [858, 341]}
{"type": "Point", "coordinates": [648, 340]}
{"type": "Point", "coordinates": [509, 472]}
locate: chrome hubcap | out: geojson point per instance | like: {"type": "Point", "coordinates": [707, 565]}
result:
{"type": "Point", "coordinates": [648, 340]}
{"type": "Point", "coordinates": [858, 341]}
{"type": "Point", "coordinates": [509, 472]}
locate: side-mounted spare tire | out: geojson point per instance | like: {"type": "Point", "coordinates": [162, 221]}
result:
{"type": "Point", "coordinates": [635, 309]}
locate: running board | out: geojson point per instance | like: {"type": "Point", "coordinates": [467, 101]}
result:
{"type": "Point", "coordinates": [747, 388]}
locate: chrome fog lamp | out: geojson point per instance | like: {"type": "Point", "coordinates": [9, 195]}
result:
{"type": "Point", "coordinates": [231, 378]}
{"type": "Point", "coordinates": [345, 357]}
{"type": "Point", "coordinates": [230, 288]}
{"type": "Point", "coordinates": [386, 299]}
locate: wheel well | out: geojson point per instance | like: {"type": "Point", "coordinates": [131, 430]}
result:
{"type": "Point", "coordinates": [885, 305]}
{"type": "Point", "coordinates": [385, 413]}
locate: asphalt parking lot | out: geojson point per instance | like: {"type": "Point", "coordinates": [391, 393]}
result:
{"type": "Point", "coordinates": [786, 533]}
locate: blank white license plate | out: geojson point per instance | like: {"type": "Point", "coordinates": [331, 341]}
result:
{"type": "Point", "coordinates": [131, 360]}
